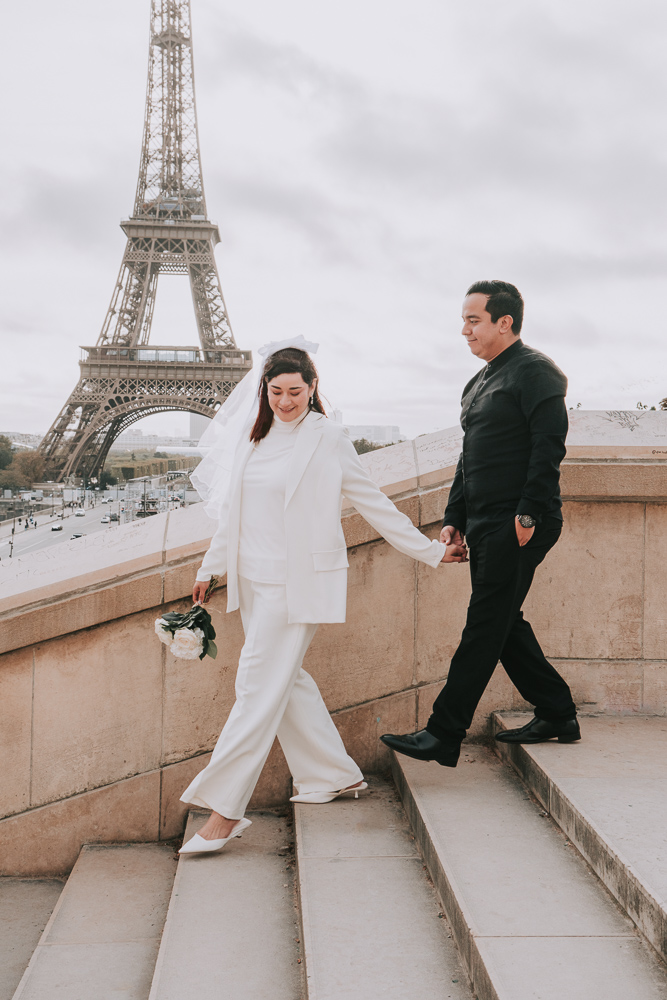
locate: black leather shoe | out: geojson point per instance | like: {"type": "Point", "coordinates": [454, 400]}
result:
{"type": "Point", "coordinates": [423, 746]}
{"type": "Point", "coordinates": [539, 731]}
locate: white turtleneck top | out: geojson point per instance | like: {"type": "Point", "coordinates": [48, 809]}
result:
{"type": "Point", "coordinates": [262, 538]}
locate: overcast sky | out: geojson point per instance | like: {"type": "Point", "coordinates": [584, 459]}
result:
{"type": "Point", "coordinates": [365, 160]}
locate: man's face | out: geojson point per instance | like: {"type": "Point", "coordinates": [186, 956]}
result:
{"type": "Point", "coordinates": [486, 339]}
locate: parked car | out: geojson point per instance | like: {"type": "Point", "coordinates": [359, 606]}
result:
{"type": "Point", "coordinates": [105, 519]}
{"type": "Point", "coordinates": [56, 527]}
{"type": "Point", "coordinates": [79, 513]}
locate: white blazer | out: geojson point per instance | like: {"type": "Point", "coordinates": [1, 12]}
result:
{"type": "Point", "coordinates": [323, 465]}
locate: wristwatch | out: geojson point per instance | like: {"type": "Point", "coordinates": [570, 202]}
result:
{"type": "Point", "coordinates": [526, 521]}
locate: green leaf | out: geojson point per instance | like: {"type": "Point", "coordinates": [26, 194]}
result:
{"type": "Point", "coordinates": [211, 649]}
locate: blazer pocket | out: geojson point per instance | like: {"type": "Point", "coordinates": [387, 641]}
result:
{"type": "Point", "coordinates": [333, 559]}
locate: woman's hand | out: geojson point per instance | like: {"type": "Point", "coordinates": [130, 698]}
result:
{"type": "Point", "coordinates": [199, 592]}
{"type": "Point", "coordinates": [455, 553]}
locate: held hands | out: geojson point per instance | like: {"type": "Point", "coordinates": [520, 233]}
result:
{"type": "Point", "coordinates": [456, 547]}
{"type": "Point", "coordinates": [455, 553]}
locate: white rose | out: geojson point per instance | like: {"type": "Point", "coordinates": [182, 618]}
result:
{"type": "Point", "coordinates": [163, 635]}
{"type": "Point", "coordinates": [188, 643]}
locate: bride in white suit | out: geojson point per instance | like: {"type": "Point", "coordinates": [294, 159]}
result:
{"type": "Point", "coordinates": [281, 544]}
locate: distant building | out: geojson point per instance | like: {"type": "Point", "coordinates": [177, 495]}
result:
{"type": "Point", "coordinates": [198, 425]}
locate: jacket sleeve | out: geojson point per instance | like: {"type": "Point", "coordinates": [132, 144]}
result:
{"type": "Point", "coordinates": [455, 512]}
{"type": "Point", "coordinates": [215, 560]}
{"type": "Point", "coordinates": [381, 513]}
{"type": "Point", "coordinates": [548, 426]}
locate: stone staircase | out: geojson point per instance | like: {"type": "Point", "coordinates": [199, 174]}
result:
{"type": "Point", "coordinates": [479, 883]}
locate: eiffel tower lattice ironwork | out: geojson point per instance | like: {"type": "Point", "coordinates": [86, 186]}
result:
{"type": "Point", "coordinates": [122, 379]}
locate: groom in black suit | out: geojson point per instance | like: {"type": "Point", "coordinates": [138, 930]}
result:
{"type": "Point", "coordinates": [505, 501]}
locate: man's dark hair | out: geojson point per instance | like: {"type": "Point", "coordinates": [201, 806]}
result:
{"type": "Point", "coordinates": [504, 300]}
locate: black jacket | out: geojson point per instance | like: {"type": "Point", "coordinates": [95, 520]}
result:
{"type": "Point", "coordinates": [514, 427]}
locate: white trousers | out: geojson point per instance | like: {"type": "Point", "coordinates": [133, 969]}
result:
{"type": "Point", "coordinates": [274, 697]}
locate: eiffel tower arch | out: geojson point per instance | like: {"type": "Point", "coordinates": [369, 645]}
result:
{"type": "Point", "coordinates": [122, 378]}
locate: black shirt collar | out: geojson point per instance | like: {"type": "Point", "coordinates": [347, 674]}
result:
{"type": "Point", "coordinates": [504, 357]}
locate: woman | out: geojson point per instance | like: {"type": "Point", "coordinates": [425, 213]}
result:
{"type": "Point", "coordinates": [281, 543]}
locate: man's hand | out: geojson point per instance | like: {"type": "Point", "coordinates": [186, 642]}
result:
{"type": "Point", "coordinates": [199, 592]}
{"type": "Point", "coordinates": [523, 535]}
{"type": "Point", "coordinates": [455, 553]}
{"type": "Point", "coordinates": [451, 535]}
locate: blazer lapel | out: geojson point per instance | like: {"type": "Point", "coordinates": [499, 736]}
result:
{"type": "Point", "coordinates": [308, 438]}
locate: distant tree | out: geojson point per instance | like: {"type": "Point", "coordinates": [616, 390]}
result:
{"type": "Point", "coordinates": [107, 479]}
{"type": "Point", "coordinates": [30, 466]}
{"type": "Point", "coordinates": [361, 446]}
{"type": "Point", "coordinates": [6, 453]}
{"type": "Point", "coordinates": [160, 454]}
{"type": "Point", "coordinates": [11, 480]}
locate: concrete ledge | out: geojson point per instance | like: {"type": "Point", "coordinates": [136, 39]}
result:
{"type": "Point", "coordinates": [590, 789]}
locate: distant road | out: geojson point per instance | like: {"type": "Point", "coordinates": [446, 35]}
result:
{"type": "Point", "coordinates": [42, 537]}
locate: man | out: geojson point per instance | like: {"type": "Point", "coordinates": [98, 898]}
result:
{"type": "Point", "coordinates": [505, 500]}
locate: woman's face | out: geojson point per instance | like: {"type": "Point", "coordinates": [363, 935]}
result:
{"type": "Point", "coordinates": [289, 396]}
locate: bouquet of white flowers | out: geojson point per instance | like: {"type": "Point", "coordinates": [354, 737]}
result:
{"type": "Point", "coordinates": [189, 636]}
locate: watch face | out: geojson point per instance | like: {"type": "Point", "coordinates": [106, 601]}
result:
{"type": "Point", "coordinates": [526, 521]}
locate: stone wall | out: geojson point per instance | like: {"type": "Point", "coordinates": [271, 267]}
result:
{"type": "Point", "coordinates": [101, 728]}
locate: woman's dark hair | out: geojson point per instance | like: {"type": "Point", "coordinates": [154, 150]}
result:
{"type": "Point", "coordinates": [290, 361]}
{"type": "Point", "coordinates": [504, 300]}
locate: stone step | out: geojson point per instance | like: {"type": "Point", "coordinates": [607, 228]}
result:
{"type": "Point", "coordinates": [102, 939]}
{"type": "Point", "coordinates": [25, 907]}
{"type": "Point", "coordinates": [232, 927]}
{"type": "Point", "coordinates": [370, 917]}
{"type": "Point", "coordinates": [531, 919]}
{"type": "Point", "coordinates": [608, 793]}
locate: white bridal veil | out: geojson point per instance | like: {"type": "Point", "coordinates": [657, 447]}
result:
{"type": "Point", "coordinates": [231, 424]}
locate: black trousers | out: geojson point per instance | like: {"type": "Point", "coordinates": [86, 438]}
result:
{"type": "Point", "coordinates": [501, 573]}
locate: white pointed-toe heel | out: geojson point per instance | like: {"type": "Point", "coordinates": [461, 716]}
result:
{"type": "Point", "coordinates": [320, 797]}
{"type": "Point", "coordinates": [198, 845]}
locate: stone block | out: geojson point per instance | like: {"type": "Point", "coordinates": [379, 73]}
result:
{"type": "Point", "coordinates": [499, 694]}
{"type": "Point", "coordinates": [655, 687]}
{"type": "Point", "coordinates": [97, 707]}
{"type": "Point", "coordinates": [175, 778]}
{"type": "Point", "coordinates": [189, 532]}
{"type": "Point", "coordinates": [372, 653]}
{"type": "Point", "coordinates": [614, 480]}
{"type": "Point", "coordinates": [15, 730]}
{"type": "Point", "coordinates": [655, 604]}
{"type": "Point", "coordinates": [275, 782]}
{"type": "Point", "coordinates": [432, 506]}
{"type": "Point", "coordinates": [65, 613]}
{"type": "Point", "coordinates": [603, 685]}
{"type": "Point", "coordinates": [361, 727]}
{"type": "Point", "coordinates": [393, 469]}
{"type": "Point", "coordinates": [442, 602]}
{"type": "Point", "coordinates": [47, 841]}
{"type": "Point", "coordinates": [199, 694]}
{"type": "Point", "coordinates": [586, 601]}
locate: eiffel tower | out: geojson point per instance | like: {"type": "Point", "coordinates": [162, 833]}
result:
{"type": "Point", "coordinates": [122, 379]}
